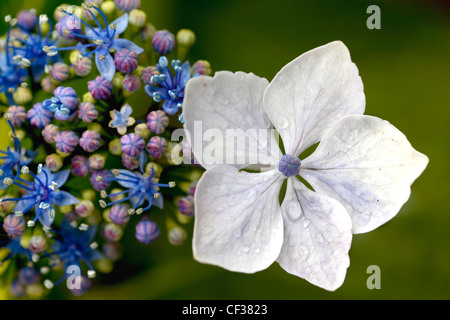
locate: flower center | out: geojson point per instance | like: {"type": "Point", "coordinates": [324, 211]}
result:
{"type": "Point", "coordinates": [289, 166]}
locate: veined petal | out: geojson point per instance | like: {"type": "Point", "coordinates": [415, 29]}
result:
{"type": "Point", "coordinates": [367, 165]}
{"type": "Point", "coordinates": [120, 44]}
{"type": "Point", "coordinates": [23, 205]}
{"type": "Point", "coordinates": [106, 67]}
{"type": "Point", "coordinates": [121, 23]}
{"type": "Point", "coordinates": [317, 237]}
{"type": "Point", "coordinates": [59, 177]}
{"type": "Point", "coordinates": [158, 202]}
{"type": "Point", "coordinates": [170, 107]}
{"type": "Point", "coordinates": [226, 121]}
{"type": "Point", "coordinates": [185, 73]}
{"type": "Point", "coordinates": [62, 198]}
{"type": "Point", "coordinates": [126, 110]}
{"type": "Point", "coordinates": [238, 223]}
{"type": "Point", "coordinates": [128, 179]}
{"type": "Point", "coordinates": [311, 93]}
{"type": "Point", "coordinates": [92, 35]}
{"type": "Point", "coordinates": [46, 216]}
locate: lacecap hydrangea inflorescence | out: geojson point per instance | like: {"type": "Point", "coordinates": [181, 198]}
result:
{"type": "Point", "coordinates": [89, 99]}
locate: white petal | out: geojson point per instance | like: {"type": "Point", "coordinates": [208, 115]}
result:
{"type": "Point", "coordinates": [224, 108]}
{"type": "Point", "coordinates": [367, 165]}
{"type": "Point", "coordinates": [238, 223]}
{"type": "Point", "coordinates": [317, 237]}
{"type": "Point", "coordinates": [311, 93]}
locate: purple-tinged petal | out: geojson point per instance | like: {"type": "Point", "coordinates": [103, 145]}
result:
{"type": "Point", "coordinates": [106, 67]}
{"type": "Point", "coordinates": [121, 23]}
{"type": "Point", "coordinates": [62, 198]}
{"type": "Point", "coordinates": [120, 44]}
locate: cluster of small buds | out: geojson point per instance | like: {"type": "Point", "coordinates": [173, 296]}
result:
{"type": "Point", "coordinates": [27, 284]}
{"type": "Point", "coordinates": [66, 83]}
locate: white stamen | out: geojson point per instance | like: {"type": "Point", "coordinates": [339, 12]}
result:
{"type": "Point", "coordinates": [83, 227]}
{"type": "Point", "coordinates": [35, 257]}
{"type": "Point", "coordinates": [93, 245]}
{"type": "Point", "coordinates": [48, 284]}
{"type": "Point", "coordinates": [43, 19]}
{"type": "Point", "coordinates": [102, 203]}
{"type": "Point", "coordinates": [45, 270]}
{"type": "Point", "coordinates": [8, 181]}
{"type": "Point", "coordinates": [91, 274]}
{"type": "Point", "coordinates": [25, 170]}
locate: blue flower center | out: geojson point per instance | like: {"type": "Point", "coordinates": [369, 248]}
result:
{"type": "Point", "coordinates": [289, 166]}
{"type": "Point", "coordinates": [54, 105]}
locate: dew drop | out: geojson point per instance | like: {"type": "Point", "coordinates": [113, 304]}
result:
{"type": "Point", "coordinates": [283, 124]}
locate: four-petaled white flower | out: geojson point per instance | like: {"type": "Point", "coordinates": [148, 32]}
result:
{"type": "Point", "coordinates": [361, 171]}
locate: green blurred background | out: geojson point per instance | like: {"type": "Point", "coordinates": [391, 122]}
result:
{"type": "Point", "coordinates": [405, 67]}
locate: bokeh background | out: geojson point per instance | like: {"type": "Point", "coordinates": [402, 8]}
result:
{"type": "Point", "coordinates": [405, 67]}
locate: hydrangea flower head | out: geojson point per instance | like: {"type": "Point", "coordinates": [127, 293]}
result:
{"type": "Point", "coordinates": [167, 87]}
{"type": "Point", "coordinates": [100, 40]}
{"type": "Point", "coordinates": [12, 75]}
{"type": "Point", "coordinates": [42, 195]}
{"type": "Point", "coordinates": [140, 186]}
{"type": "Point", "coordinates": [13, 159]}
{"type": "Point", "coordinates": [361, 171]}
{"type": "Point", "coordinates": [74, 246]}
{"type": "Point", "coordinates": [30, 49]}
